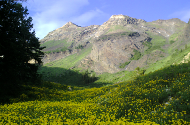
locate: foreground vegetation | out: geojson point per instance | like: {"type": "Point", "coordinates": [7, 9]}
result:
{"type": "Point", "coordinates": [161, 97]}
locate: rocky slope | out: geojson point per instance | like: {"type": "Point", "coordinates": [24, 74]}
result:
{"type": "Point", "coordinates": [121, 39]}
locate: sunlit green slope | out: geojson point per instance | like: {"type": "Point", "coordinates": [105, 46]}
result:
{"type": "Point", "coordinates": [161, 97]}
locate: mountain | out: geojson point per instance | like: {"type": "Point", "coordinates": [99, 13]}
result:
{"type": "Point", "coordinates": [119, 44]}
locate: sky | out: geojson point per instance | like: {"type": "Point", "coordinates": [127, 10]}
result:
{"type": "Point", "coordinates": [49, 15]}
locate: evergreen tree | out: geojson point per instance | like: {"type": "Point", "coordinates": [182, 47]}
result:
{"type": "Point", "coordinates": [18, 45]}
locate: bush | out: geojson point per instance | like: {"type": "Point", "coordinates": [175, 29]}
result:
{"type": "Point", "coordinates": [132, 34]}
{"type": "Point", "coordinates": [137, 68]}
{"type": "Point", "coordinates": [64, 49]}
{"type": "Point", "coordinates": [171, 41]}
{"type": "Point", "coordinates": [79, 47]}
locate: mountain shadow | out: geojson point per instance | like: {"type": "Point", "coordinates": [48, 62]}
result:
{"type": "Point", "coordinates": [70, 77]}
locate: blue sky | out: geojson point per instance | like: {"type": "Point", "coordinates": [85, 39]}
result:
{"type": "Point", "coordinates": [49, 15]}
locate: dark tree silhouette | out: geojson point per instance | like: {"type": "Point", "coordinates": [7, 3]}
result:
{"type": "Point", "coordinates": [18, 45]}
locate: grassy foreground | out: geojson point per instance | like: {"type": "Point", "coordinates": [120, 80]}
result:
{"type": "Point", "coordinates": [161, 97]}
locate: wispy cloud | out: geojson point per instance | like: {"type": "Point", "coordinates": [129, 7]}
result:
{"type": "Point", "coordinates": [85, 18]}
{"type": "Point", "coordinates": [184, 15]}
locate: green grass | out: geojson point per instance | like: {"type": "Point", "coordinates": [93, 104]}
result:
{"type": "Point", "coordinates": [156, 39]}
{"type": "Point", "coordinates": [174, 37]}
{"type": "Point", "coordinates": [125, 33]}
{"type": "Point", "coordinates": [122, 65]}
{"type": "Point", "coordinates": [172, 41]}
{"type": "Point", "coordinates": [56, 46]}
{"type": "Point", "coordinates": [117, 27]}
{"type": "Point", "coordinates": [52, 43]}
{"type": "Point", "coordinates": [115, 77]}
{"type": "Point", "coordinates": [58, 70]}
{"type": "Point", "coordinates": [143, 99]}
{"type": "Point", "coordinates": [71, 97]}
{"type": "Point", "coordinates": [63, 49]}
{"type": "Point", "coordinates": [70, 60]}
{"type": "Point", "coordinates": [175, 57]}
{"type": "Point", "coordinates": [156, 43]}
{"type": "Point", "coordinates": [137, 55]}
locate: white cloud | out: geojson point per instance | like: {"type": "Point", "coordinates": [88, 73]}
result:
{"type": "Point", "coordinates": [49, 14]}
{"type": "Point", "coordinates": [184, 15]}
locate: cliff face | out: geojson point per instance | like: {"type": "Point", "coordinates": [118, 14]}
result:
{"type": "Point", "coordinates": [111, 50]}
{"type": "Point", "coordinates": [187, 31]}
{"type": "Point", "coordinates": [121, 39]}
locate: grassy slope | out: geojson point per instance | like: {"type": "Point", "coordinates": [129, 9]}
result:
{"type": "Point", "coordinates": [157, 42]}
{"type": "Point", "coordinates": [58, 70]}
{"type": "Point", "coordinates": [133, 100]}
{"type": "Point", "coordinates": [175, 57]}
{"type": "Point", "coordinates": [143, 100]}
{"type": "Point", "coordinates": [72, 60]}
{"type": "Point", "coordinates": [117, 27]}
{"type": "Point", "coordinates": [52, 43]}
{"type": "Point", "coordinates": [56, 46]}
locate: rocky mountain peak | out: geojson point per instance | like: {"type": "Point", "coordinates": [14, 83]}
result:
{"type": "Point", "coordinates": [117, 16]}
{"type": "Point", "coordinates": [125, 19]}
{"type": "Point", "coordinates": [118, 20]}
{"type": "Point", "coordinates": [69, 24]}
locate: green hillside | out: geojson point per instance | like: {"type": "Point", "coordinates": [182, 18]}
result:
{"type": "Point", "coordinates": [161, 97]}
{"type": "Point", "coordinates": [71, 92]}
{"type": "Point", "coordinates": [57, 71]}
{"type": "Point", "coordinates": [56, 46]}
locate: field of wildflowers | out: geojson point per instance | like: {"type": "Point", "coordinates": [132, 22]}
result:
{"type": "Point", "coordinates": [161, 97]}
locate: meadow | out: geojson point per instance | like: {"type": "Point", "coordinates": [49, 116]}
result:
{"type": "Point", "coordinates": [159, 97]}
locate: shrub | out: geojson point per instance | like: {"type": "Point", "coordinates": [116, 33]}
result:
{"type": "Point", "coordinates": [132, 33]}
{"type": "Point", "coordinates": [64, 49]}
{"type": "Point", "coordinates": [79, 47]}
{"type": "Point", "coordinates": [171, 41]}
{"type": "Point", "coordinates": [122, 65]}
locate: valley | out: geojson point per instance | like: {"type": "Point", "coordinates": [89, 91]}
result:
{"type": "Point", "coordinates": [125, 71]}
{"type": "Point", "coordinates": [120, 44]}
